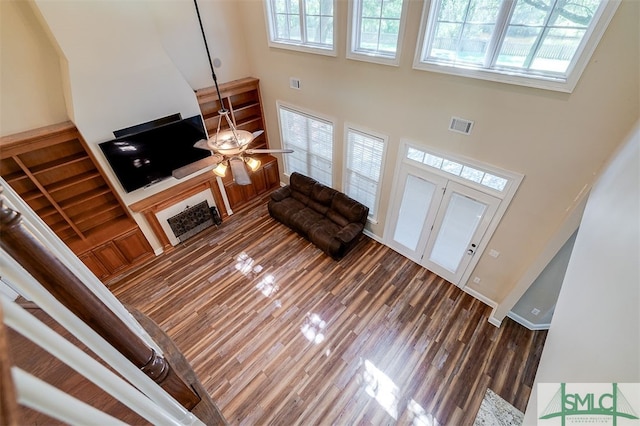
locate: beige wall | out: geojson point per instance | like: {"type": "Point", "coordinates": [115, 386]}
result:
{"type": "Point", "coordinates": [30, 80]}
{"type": "Point", "coordinates": [558, 141]}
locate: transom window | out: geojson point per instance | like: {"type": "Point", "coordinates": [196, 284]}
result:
{"type": "Point", "coordinates": [301, 24]}
{"type": "Point", "coordinates": [311, 139]}
{"type": "Point", "coordinates": [455, 167]}
{"type": "Point", "coordinates": [375, 30]}
{"type": "Point", "coordinates": [363, 169]}
{"type": "Point", "coordinates": [548, 41]}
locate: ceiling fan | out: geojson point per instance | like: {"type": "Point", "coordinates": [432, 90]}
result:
{"type": "Point", "coordinates": [230, 147]}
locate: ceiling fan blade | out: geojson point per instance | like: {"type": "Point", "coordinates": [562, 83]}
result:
{"type": "Point", "coordinates": [185, 171]}
{"type": "Point", "coordinates": [239, 170]}
{"type": "Point", "coordinates": [202, 144]}
{"type": "Point", "coordinates": [268, 151]}
{"type": "Point", "coordinates": [257, 133]}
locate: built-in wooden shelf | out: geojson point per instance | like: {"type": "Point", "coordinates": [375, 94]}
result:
{"type": "Point", "coordinates": [54, 172]}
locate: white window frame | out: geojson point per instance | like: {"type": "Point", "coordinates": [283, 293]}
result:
{"type": "Point", "coordinates": [300, 46]}
{"type": "Point", "coordinates": [561, 83]}
{"type": "Point", "coordinates": [514, 179]}
{"type": "Point", "coordinates": [373, 210]}
{"type": "Point", "coordinates": [312, 115]}
{"type": "Point", "coordinates": [353, 37]}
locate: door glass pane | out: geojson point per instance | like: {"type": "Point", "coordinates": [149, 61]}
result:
{"type": "Point", "coordinates": [458, 226]}
{"type": "Point", "coordinates": [413, 211]}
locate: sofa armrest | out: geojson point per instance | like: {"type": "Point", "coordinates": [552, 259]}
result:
{"type": "Point", "coordinates": [349, 232]}
{"type": "Point", "coordinates": [281, 193]}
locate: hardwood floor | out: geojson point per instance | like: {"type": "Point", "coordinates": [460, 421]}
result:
{"type": "Point", "coordinates": [280, 333]}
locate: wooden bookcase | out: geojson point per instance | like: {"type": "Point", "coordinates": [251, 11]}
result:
{"type": "Point", "coordinates": [52, 169]}
{"type": "Point", "coordinates": [242, 99]}
{"type": "Point", "coordinates": [265, 178]}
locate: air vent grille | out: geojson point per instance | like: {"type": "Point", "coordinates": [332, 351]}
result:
{"type": "Point", "coordinates": [461, 125]}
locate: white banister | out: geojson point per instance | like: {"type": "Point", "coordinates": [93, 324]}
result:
{"type": "Point", "coordinates": [43, 233]}
{"type": "Point", "coordinates": [17, 277]}
{"type": "Point", "coordinates": [41, 396]}
{"type": "Point", "coordinates": [33, 329]}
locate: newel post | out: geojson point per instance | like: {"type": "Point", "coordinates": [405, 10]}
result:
{"type": "Point", "coordinates": [52, 274]}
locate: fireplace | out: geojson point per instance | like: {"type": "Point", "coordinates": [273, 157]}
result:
{"type": "Point", "coordinates": [193, 220]}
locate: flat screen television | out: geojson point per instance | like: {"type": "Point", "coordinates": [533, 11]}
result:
{"type": "Point", "coordinates": [142, 158]}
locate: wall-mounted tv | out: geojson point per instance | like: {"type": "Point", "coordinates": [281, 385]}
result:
{"type": "Point", "coordinates": [148, 156]}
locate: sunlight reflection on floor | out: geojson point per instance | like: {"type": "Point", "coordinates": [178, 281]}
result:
{"type": "Point", "coordinates": [244, 264]}
{"type": "Point", "coordinates": [419, 416]}
{"type": "Point", "coordinates": [268, 286]}
{"type": "Point", "coordinates": [313, 328]}
{"type": "Point", "coordinates": [380, 387]}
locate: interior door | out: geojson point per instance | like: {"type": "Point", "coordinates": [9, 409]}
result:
{"type": "Point", "coordinates": [419, 194]}
{"type": "Point", "coordinates": [463, 217]}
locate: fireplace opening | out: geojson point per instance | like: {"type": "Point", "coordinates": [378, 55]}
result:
{"type": "Point", "coordinates": [194, 220]}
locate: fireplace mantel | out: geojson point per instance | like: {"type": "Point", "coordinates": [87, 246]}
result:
{"type": "Point", "coordinates": [174, 195]}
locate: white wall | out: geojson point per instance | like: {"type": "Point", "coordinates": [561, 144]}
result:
{"type": "Point", "coordinates": [119, 72]}
{"type": "Point", "coordinates": [179, 30]}
{"type": "Point", "coordinates": [595, 331]}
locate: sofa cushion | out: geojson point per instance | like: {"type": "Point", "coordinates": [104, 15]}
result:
{"type": "Point", "coordinates": [321, 197]}
{"type": "Point", "coordinates": [304, 219]}
{"type": "Point", "coordinates": [284, 209]}
{"type": "Point", "coordinates": [349, 233]}
{"type": "Point", "coordinates": [281, 193]}
{"type": "Point", "coordinates": [352, 210]}
{"type": "Point", "coordinates": [337, 218]}
{"type": "Point", "coordinates": [323, 235]}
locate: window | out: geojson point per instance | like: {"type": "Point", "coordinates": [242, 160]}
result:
{"type": "Point", "coordinates": [539, 43]}
{"type": "Point", "coordinates": [305, 25]}
{"type": "Point", "coordinates": [365, 153]}
{"type": "Point", "coordinates": [375, 30]}
{"type": "Point", "coordinates": [483, 178]}
{"type": "Point", "coordinates": [311, 139]}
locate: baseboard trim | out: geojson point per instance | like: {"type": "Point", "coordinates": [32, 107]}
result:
{"type": "Point", "coordinates": [494, 321]}
{"type": "Point", "coordinates": [487, 301]}
{"type": "Point", "coordinates": [373, 236]}
{"type": "Point", "coordinates": [526, 323]}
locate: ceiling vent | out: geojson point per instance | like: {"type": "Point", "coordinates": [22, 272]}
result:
{"type": "Point", "coordinates": [460, 125]}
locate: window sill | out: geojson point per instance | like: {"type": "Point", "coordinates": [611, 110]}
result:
{"type": "Point", "coordinates": [546, 83]}
{"type": "Point", "coordinates": [376, 59]}
{"type": "Point", "coordinates": [305, 48]}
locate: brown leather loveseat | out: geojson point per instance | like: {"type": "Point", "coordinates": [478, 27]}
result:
{"type": "Point", "coordinates": [328, 218]}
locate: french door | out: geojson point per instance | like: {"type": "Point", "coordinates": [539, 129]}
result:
{"type": "Point", "coordinates": [415, 211]}
{"type": "Point", "coordinates": [438, 223]}
{"type": "Point", "coordinates": [463, 217]}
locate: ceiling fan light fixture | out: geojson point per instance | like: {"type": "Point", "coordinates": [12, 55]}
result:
{"type": "Point", "coordinates": [253, 163]}
{"type": "Point", "coordinates": [220, 169]}
{"type": "Point", "coordinates": [231, 142]}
